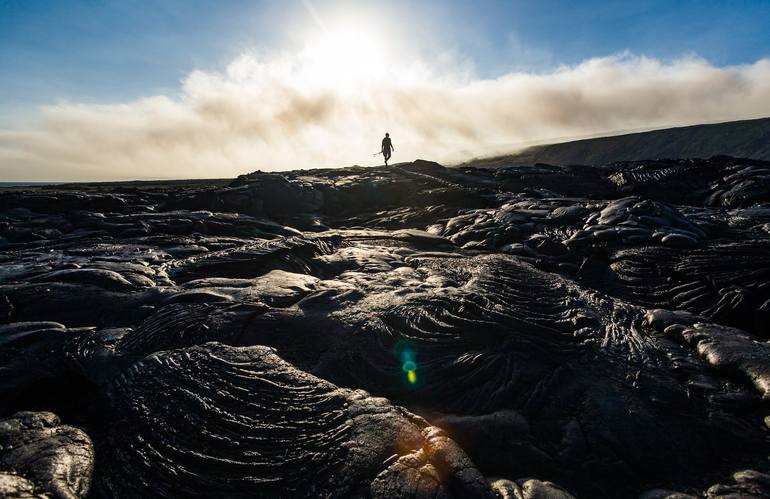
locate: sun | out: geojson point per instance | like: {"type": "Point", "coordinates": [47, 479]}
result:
{"type": "Point", "coordinates": [347, 55]}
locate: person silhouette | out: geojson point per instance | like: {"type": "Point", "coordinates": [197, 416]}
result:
{"type": "Point", "coordinates": [387, 146]}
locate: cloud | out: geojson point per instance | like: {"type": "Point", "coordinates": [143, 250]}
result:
{"type": "Point", "coordinates": [285, 111]}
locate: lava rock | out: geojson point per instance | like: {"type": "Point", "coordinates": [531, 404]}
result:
{"type": "Point", "coordinates": [53, 459]}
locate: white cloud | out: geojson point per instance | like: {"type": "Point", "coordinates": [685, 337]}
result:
{"type": "Point", "coordinates": [313, 109]}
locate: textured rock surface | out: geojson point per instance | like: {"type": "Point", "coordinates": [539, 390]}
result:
{"type": "Point", "coordinates": [236, 421]}
{"type": "Point", "coordinates": [412, 331]}
{"type": "Point", "coordinates": [50, 459]}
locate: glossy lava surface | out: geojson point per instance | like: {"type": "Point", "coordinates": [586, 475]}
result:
{"type": "Point", "coordinates": [411, 331]}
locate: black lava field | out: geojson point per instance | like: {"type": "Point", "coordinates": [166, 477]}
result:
{"type": "Point", "coordinates": [404, 331]}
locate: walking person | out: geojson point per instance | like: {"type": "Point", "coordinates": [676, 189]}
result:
{"type": "Point", "coordinates": [387, 147]}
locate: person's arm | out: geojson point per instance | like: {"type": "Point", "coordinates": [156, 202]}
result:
{"type": "Point", "coordinates": [392, 146]}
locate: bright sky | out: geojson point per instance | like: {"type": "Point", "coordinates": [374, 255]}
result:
{"type": "Point", "coordinates": [96, 89]}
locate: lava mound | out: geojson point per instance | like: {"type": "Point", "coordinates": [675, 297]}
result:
{"type": "Point", "coordinates": [405, 331]}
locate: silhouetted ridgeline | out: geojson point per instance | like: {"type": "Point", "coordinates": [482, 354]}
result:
{"type": "Point", "coordinates": [741, 139]}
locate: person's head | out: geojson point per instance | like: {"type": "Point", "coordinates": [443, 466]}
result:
{"type": "Point", "coordinates": [387, 134]}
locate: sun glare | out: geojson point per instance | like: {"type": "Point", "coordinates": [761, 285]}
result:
{"type": "Point", "coordinates": [347, 55]}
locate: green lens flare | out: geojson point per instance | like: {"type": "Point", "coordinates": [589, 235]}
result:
{"type": "Point", "coordinates": [406, 353]}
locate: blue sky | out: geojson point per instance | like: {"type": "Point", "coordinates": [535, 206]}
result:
{"type": "Point", "coordinates": [107, 50]}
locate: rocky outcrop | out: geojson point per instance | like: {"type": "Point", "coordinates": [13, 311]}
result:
{"type": "Point", "coordinates": [42, 457]}
{"type": "Point", "coordinates": [526, 332]}
{"type": "Point", "coordinates": [266, 425]}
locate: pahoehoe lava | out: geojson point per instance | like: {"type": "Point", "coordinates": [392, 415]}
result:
{"type": "Point", "coordinates": [411, 331]}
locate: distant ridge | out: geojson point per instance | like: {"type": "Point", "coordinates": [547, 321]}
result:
{"type": "Point", "coordinates": [741, 139]}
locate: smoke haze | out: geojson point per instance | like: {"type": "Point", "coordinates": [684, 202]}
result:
{"type": "Point", "coordinates": [284, 111]}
